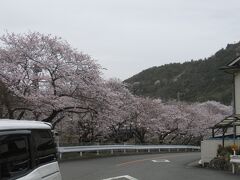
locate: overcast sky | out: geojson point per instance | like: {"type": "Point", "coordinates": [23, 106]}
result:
{"type": "Point", "coordinates": [128, 36]}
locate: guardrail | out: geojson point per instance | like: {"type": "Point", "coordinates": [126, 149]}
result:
{"type": "Point", "coordinates": [124, 148]}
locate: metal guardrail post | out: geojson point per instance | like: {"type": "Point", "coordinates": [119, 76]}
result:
{"type": "Point", "coordinates": [80, 154]}
{"type": "Point", "coordinates": [112, 151]}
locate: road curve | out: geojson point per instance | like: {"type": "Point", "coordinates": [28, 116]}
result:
{"type": "Point", "coordinates": [169, 166]}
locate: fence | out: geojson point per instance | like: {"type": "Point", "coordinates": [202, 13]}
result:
{"type": "Point", "coordinates": [124, 148]}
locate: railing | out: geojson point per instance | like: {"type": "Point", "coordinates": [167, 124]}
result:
{"type": "Point", "coordinates": [124, 148]}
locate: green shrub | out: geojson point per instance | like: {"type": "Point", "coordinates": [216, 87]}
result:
{"type": "Point", "coordinates": [224, 152]}
{"type": "Point", "coordinates": [220, 164]}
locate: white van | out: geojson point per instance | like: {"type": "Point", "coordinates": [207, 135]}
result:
{"type": "Point", "coordinates": [27, 151]}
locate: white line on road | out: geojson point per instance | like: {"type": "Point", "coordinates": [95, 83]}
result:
{"type": "Point", "coordinates": [160, 160]}
{"type": "Point", "coordinates": [148, 159]}
{"type": "Point", "coordinates": [119, 177]}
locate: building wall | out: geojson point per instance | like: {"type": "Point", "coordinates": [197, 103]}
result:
{"type": "Point", "coordinates": [209, 148]}
{"type": "Point", "coordinates": [237, 93]}
{"type": "Point", "coordinates": [237, 98]}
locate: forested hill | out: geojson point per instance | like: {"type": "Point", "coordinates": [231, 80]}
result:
{"type": "Point", "coordinates": [192, 81]}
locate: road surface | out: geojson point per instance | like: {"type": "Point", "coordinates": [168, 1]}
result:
{"type": "Point", "coordinates": [172, 166]}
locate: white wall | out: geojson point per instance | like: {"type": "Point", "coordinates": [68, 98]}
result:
{"type": "Point", "coordinates": [209, 148]}
{"type": "Point", "coordinates": [237, 93]}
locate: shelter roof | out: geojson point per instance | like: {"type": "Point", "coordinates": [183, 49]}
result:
{"type": "Point", "coordinates": [227, 122]}
{"type": "Point", "coordinates": [232, 67]}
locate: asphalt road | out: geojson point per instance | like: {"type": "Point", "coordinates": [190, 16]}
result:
{"type": "Point", "coordinates": [172, 166]}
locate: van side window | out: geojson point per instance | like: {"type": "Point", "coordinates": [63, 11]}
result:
{"type": "Point", "coordinates": [14, 156]}
{"type": "Point", "coordinates": [45, 146]}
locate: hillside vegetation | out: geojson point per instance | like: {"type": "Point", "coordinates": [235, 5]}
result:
{"type": "Point", "coordinates": [192, 81]}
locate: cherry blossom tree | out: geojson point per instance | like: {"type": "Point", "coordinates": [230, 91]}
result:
{"type": "Point", "coordinates": [211, 113]}
{"type": "Point", "coordinates": [145, 118]}
{"type": "Point", "coordinates": [115, 111]}
{"type": "Point", "coordinates": [182, 122]}
{"type": "Point", "coordinates": [197, 118]}
{"type": "Point", "coordinates": [48, 75]}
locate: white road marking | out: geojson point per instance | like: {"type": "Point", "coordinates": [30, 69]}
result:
{"type": "Point", "coordinates": [161, 160]}
{"type": "Point", "coordinates": [119, 177]}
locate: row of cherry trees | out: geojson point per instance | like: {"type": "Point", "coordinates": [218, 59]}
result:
{"type": "Point", "coordinates": [150, 120]}
{"type": "Point", "coordinates": [43, 78]}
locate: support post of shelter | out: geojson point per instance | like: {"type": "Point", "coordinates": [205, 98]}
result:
{"type": "Point", "coordinates": [223, 137]}
{"type": "Point", "coordinates": [213, 133]}
{"type": "Point", "coordinates": [234, 133]}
